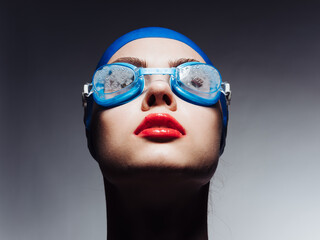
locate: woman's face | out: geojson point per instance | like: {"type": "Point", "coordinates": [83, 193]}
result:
{"type": "Point", "coordinates": [121, 151]}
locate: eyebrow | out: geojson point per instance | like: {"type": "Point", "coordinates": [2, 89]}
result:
{"type": "Point", "coordinates": [142, 63]}
{"type": "Point", "coordinates": [180, 61]}
{"type": "Point", "coordinates": [132, 60]}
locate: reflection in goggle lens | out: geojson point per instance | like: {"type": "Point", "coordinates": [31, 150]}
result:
{"type": "Point", "coordinates": [202, 78]}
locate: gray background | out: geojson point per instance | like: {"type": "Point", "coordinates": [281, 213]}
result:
{"type": "Point", "coordinates": [267, 183]}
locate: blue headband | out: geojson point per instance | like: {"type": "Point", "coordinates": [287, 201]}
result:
{"type": "Point", "coordinates": [149, 32]}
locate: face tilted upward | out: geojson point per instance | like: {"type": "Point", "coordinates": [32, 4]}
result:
{"type": "Point", "coordinates": [157, 130]}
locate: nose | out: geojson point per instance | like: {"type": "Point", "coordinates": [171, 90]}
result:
{"type": "Point", "coordinates": [159, 94]}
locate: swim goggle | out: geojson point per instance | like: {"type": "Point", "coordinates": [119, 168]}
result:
{"type": "Point", "coordinates": [118, 83]}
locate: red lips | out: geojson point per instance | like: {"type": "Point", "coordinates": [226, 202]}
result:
{"type": "Point", "coordinates": [160, 126]}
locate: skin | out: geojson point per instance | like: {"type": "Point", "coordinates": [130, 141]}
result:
{"type": "Point", "coordinates": [156, 190]}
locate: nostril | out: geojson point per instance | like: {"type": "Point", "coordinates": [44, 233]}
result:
{"type": "Point", "coordinates": [167, 99]}
{"type": "Point", "coordinates": [151, 100]}
{"type": "Point", "coordinates": [159, 97]}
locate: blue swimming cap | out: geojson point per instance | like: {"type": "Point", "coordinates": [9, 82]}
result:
{"type": "Point", "coordinates": [149, 32]}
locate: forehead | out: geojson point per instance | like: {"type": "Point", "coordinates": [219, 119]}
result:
{"type": "Point", "coordinates": [156, 51]}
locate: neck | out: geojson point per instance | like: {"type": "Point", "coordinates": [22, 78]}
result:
{"type": "Point", "coordinates": [155, 212]}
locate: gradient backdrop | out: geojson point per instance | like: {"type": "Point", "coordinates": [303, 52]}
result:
{"type": "Point", "coordinates": [267, 183]}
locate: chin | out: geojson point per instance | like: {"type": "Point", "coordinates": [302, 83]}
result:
{"type": "Point", "coordinates": [159, 165]}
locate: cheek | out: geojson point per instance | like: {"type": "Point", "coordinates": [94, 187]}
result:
{"type": "Point", "coordinates": [209, 128]}
{"type": "Point", "coordinates": [205, 134]}
{"type": "Point", "coordinates": [109, 129]}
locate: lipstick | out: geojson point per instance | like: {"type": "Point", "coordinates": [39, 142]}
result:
{"type": "Point", "coordinates": [160, 126]}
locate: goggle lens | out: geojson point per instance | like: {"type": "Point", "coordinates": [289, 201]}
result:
{"type": "Point", "coordinates": [114, 84]}
{"type": "Point", "coordinates": [112, 80]}
{"type": "Point", "coordinates": [202, 78]}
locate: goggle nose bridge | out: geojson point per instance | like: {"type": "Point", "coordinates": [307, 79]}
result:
{"type": "Point", "coordinates": [156, 71]}
{"type": "Point", "coordinates": [171, 72]}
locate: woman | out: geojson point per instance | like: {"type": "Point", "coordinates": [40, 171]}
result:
{"type": "Point", "coordinates": [156, 119]}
